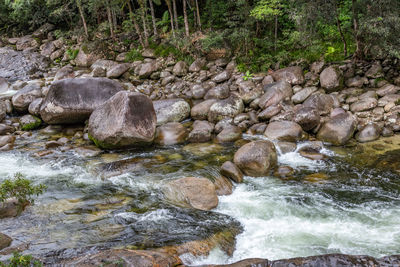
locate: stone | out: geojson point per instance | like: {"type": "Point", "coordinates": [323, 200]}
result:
{"type": "Point", "coordinates": [231, 171]}
{"type": "Point", "coordinates": [201, 132]}
{"type": "Point", "coordinates": [284, 172]}
{"type": "Point", "coordinates": [34, 107]}
{"type": "Point", "coordinates": [229, 134]}
{"type": "Point", "coordinates": [331, 78]}
{"type": "Point", "coordinates": [227, 108]}
{"type": "Point", "coordinates": [218, 92]}
{"type": "Point", "coordinates": [26, 42]}
{"type": "Point", "coordinates": [388, 99]}
{"type": "Point", "coordinates": [125, 120]}
{"type": "Point", "coordinates": [338, 130]}
{"type": "Point", "coordinates": [171, 110]}
{"type": "Point", "coordinates": [3, 111]}
{"type": "Point", "coordinates": [302, 95]}
{"type": "Point", "coordinates": [317, 67]}
{"type": "Point", "coordinates": [43, 30]}
{"type": "Point", "coordinates": [223, 186]}
{"type": "Point", "coordinates": [308, 118]}
{"type": "Point", "coordinates": [375, 71]}
{"type": "Point", "coordinates": [364, 104]}
{"type": "Point", "coordinates": [6, 129]}
{"type": "Point", "coordinates": [4, 86]}
{"type": "Point", "coordinates": [200, 111]}
{"type": "Point", "coordinates": [256, 158]}
{"type": "Point", "coordinates": [24, 97]}
{"type": "Point", "coordinates": [275, 93]}
{"type": "Point", "coordinates": [292, 75]}
{"type": "Point", "coordinates": [286, 147]}
{"type": "Point", "coordinates": [197, 91]}
{"type": "Point", "coordinates": [171, 133]}
{"type": "Point", "coordinates": [222, 77]}
{"type": "Point", "coordinates": [85, 59]}
{"type": "Point", "coordinates": [7, 139]}
{"type": "Point", "coordinates": [222, 124]}
{"type": "Point", "coordinates": [147, 69]}
{"type": "Point", "coordinates": [180, 69]}
{"type": "Point", "coordinates": [284, 131]}
{"type": "Point", "coordinates": [73, 100]}
{"type": "Point", "coordinates": [356, 82]}
{"type": "Point", "coordinates": [269, 112]}
{"type": "Point", "coordinates": [29, 122]}
{"type": "Point", "coordinates": [197, 65]}
{"type": "Point", "coordinates": [5, 241]}
{"type": "Point", "coordinates": [47, 49]}
{"type": "Point", "coordinates": [311, 153]}
{"type": "Point", "coordinates": [125, 257]}
{"type": "Point", "coordinates": [321, 102]}
{"type": "Point", "coordinates": [368, 133]}
{"type": "Point", "coordinates": [388, 89]}
{"type": "Point", "coordinates": [197, 193]}
{"type": "Point", "coordinates": [118, 70]}
{"type": "Point", "coordinates": [65, 72]}
{"type": "Point", "coordinates": [149, 53]}
{"type": "Point", "coordinates": [10, 208]}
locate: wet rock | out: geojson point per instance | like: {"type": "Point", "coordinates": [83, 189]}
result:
{"type": "Point", "coordinates": [201, 132]}
{"type": "Point", "coordinates": [200, 111]}
{"type": "Point", "coordinates": [34, 107]}
{"type": "Point", "coordinates": [269, 112]}
{"type": "Point", "coordinates": [73, 100]}
{"type": "Point", "coordinates": [338, 130]}
{"type": "Point", "coordinates": [171, 110]}
{"type": "Point", "coordinates": [388, 89]}
{"type": "Point", "coordinates": [29, 122]}
{"type": "Point", "coordinates": [302, 95]}
{"type": "Point", "coordinates": [6, 129]}
{"type": "Point", "coordinates": [308, 118]}
{"type": "Point", "coordinates": [369, 132]}
{"type": "Point", "coordinates": [10, 208]}
{"type": "Point", "coordinates": [198, 65]}
{"type": "Point", "coordinates": [6, 139]}
{"type": "Point", "coordinates": [198, 193]}
{"type": "Point", "coordinates": [322, 102]}
{"type": "Point", "coordinates": [24, 97]}
{"type": "Point", "coordinates": [125, 257]}
{"type": "Point", "coordinates": [311, 153]}
{"type": "Point", "coordinates": [223, 186]}
{"type": "Point", "coordinates": [284, 171]}
{"type": "Point", "coordinates": [5, 241]}
{"type": "Point", "coordinates": [180, 69]}
{"type": "Point", "coordinates": [229, 134]}
{"type": "Point", "coordinates": [197, 91]}
{"type": "Point", "coordinates": [218, 92]}
{"type": "Point", "coordinates": [4, 86]}
{"type": "Point", "coordinates": [118, 167]}
{"type": "Point", "coordinates": [227, 108]}
{"type": "Point", "coordinates": [171, 133]}
{"type": "Point", "coordinates": [275, 93]}
{"type": "Point", "coordinates": [222, 77]}
{"type": "Point", "coordinates": [293, 75]}
{"type": "Point", "coordinates": [286, 147]}
{"type": "Point", "coordinates": [231, 171]}
{"type": "Point", "coordinates": [284, 131]}
{"type": "Point", "coordinates": [331, 79]}
{"type": "Point", "coordinates": [118, 70]}
{"type": "Point", "coordinates": [256, 158]}
{"type": "Point", "coordinates": [364, 104]}
{"type": "Point", "coordinates": [387, 132]}
{"type": "Point", "coordinates": [127, 119]}
{"type": "Point", "coordinates": [203, 149]}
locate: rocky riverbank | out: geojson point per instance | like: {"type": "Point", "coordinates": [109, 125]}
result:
{"type": "Point", "coordinates": [158, 101]}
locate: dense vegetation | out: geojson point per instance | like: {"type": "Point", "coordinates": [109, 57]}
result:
{"type": "Point", "coordinates": [262, 34]}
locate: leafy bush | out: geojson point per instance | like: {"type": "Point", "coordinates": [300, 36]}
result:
{"type": "Point", "coordinates": [21, 189]}
{"type": "Point", "coordinates": [19, 260]}
{"type": "Point", "coordinates": [133, 55]}
{"type": "Point", "coordinates": [72, 53]}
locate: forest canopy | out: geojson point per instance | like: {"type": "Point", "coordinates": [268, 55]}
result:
{"type": "Point", "coordinates": [258, 33]}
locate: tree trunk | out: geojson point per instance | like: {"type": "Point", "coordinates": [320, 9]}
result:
{"type": "Point", "coordinates": [276, 32]}
{"type": "Point", "coordinates": [146, 35]}
{"type": "Point", "coordinates": [78, 3]}
{"type": "Point", "coordinates": [135, 24]}
{"type": "Point", "coordinates": [175, 14]}
{"type": "Point", "coordinates": [153, 18]}
{"type": "Point", "coordinates": [341, 33]}
{"type": "Point", "coordinates": [198, 15]}
{"type": "Point", "coordinates": [171, 16]}
{"type": "Point", "coordinates": [185, 18]}
{"type": "Point", "coordinates": [358, 53]}
{"type": "Point", "coordinates": [110, 22]}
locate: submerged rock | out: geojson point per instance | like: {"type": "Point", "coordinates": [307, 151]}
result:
{"type": "Point", "coordinates": [127, 119]}
{"type": "Point", "coordinates": [198, 193]}
{"type": "Point", "coordinates": [73, 100]}
{"type": "Point", "coordinates": [171, 133]}
{"type": "Point", "coordinates": [256, 158]}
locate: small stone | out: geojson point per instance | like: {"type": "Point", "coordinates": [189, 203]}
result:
{"type": "Point", "coordinates": [230, 170]}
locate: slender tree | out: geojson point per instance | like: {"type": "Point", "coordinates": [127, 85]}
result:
{"type": "Point", "coordinates": [175, 14]}
{"type": "Point", "coordinates": [80, 8]}
{"type": "Point", "coordinates": [185, 18]}
{"type": "Point", "coordinates": [153, 18]}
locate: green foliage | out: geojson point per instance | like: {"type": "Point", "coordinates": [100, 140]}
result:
{"type": "Point", "coordinates": [248, 76]}
{"type": "Point", "coordinates": [133, 55]}
{"type": "Point", "coordinates": [72, 53]}
{"type": "Point", "coordinates": [164, 23]}
{"type": "Point", "coordinates": [21, 189]}
{"type": "Point", "coordinates": [18, 260]}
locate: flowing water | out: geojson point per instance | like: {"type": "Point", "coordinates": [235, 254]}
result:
{"type": "Point", "coordinates": [114, 199]}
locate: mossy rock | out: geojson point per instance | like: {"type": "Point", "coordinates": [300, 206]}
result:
{"type": "Point", "coordinates": [30, 122]}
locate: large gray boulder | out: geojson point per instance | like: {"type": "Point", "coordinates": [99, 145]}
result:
{"type": "Point", "coordinates": [23, 98]}
{"type": "Point", "coordinates": [200, 111]}
{"type": "Point", "coordinates": [126, 120]}
{"type": "Point", "coordinates": [256, 158]}
{"type": "Point", "coordinates": [284, 131]}
{"type": "Point", "coordinates": [171, 110]}
{"type": "Point", "coordinates": [321, 102]}
{"type": "Point", "coordinates": [275, 93]}
{"type": "Point", "coordinates": [331, 79]}
{"type": "Point", "coordinates": [293, 75]}
{"type": "Point", "coordinates": [338, 130]}
{"type": "Point", "coordinates": [73, 100]}
{"type": "Point", "coordinates": [227, 108]}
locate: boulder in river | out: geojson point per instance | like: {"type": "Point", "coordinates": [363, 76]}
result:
{"type": "Point", "coordinates": [284, 131]}
{"type": "Point", "coordinates": [73, 100]}
{"type": "Point", "coordinates": [338, 130]}
{"type": "Point", "coordinates": [227, 108]}
{"type": "Point", "coordinates": [127, 119]}
{"type": "Point", "coordinates": [201, 132]}
{"type": "Point", "coordinates": [256, 158]}
{"type": "Point", "coordinates": [24, 97]}
{"type": "Point", "coordinates": [369, 132]}
{"type": "Point", "coordinates": [200, 111]}
{"type": "Point", "coordinates": [275, 93]}
{"type": "Point", "coordinates": [198, 193]}
{"type": "Point", "coordinates": [171, 110]}
{"type": "Point", "coordinates": [5, 241]}
{"type": "Point", "coordinates": [171, 133]}
{"type": "Point", "coordinates": [29, 122]}
{"type": "Point", "coordinates": [230, 170]}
